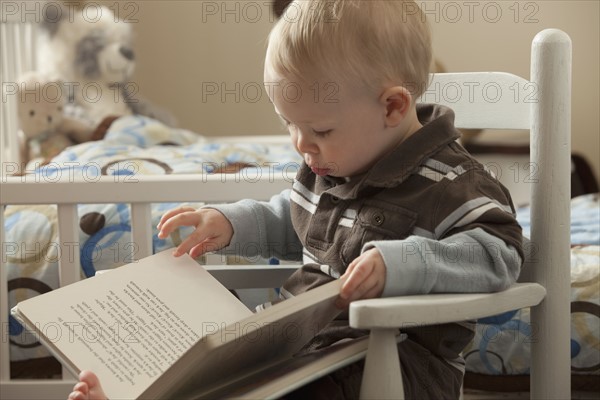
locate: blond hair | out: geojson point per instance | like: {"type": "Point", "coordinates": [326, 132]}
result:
{"type": "Point", "coordinates": [372, 43]}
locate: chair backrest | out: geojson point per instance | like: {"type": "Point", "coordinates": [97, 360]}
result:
{"type": "Point", "coordinates": [541, 104]}
{"type": "Point", "coordinates": [491, 100]}
{"type": "Point", "coordinates": [18, 54]}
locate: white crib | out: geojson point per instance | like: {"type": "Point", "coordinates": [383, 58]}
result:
{"type": "Point", "coordinates": [548, 117]}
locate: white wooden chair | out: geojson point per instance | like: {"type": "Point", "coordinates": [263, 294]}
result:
{"type": "Point", "coordinates": [543, 105]}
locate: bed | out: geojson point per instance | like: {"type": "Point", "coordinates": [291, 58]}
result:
{"type": "Point", "coordinates": [133, 146]}
{"type": "Point", "coordinates": [139, 157]}
{"type": "Point", "coordinates": [498, 359]}
{"type": "Point", "coordinates": [108, 196]}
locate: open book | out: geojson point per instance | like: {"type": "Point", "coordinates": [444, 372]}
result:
{"type": "Point", "coordinates": [163, 327]}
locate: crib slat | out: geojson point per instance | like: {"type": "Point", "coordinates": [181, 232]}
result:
{"type": "Point", "coordinates": [4, 344]}
{"type": "Point", "coordinates": [68, 264]}
{"type": "Point", "coordinates": [18, 55]}
{"type": "Point", "coordinates": [5, 150]}
{"type": "Point", "coordinates": [16, 41]}
{"type": "Point", "coordinates": [17, 49]}
{"type": "Point", "coordinates": [9, 73]}
{"type": "Point", "coordinates": [30, 46]}
{"type": "Point", "coordinates": [141, 230]}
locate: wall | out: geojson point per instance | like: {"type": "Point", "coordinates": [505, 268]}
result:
{"type": "Point", "coordinates": [203, 59]}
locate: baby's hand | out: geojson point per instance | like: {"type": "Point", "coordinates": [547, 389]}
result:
{"type": "Point", "coordinates": [364, 278]}
{"type": "Point", "coordinates": [213, 231]}
{"type": "Point", "coordinates": [88, 388]}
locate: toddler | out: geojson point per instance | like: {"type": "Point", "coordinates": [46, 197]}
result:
{"type": "Point", "coordinates": [385, 200]}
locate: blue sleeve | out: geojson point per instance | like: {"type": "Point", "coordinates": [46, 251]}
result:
{"type": "Point", "coordinates": [469, 261]}
{"type": "Point", "coordinates": [262, 228]}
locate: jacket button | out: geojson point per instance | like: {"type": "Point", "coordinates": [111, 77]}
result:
{"type": "Point", "coordinates": [335, 199]}
{"type": "Point", "coordinates": [378, 218]}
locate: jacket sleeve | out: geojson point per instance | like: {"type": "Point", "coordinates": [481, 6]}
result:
{"type": "Point", "coordinates": [469, 261]}
{"type": "Point", "coordinates": [262, 229]}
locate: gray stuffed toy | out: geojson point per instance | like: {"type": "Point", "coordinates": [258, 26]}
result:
{"type": "Point", "coordinates": [91, 52]}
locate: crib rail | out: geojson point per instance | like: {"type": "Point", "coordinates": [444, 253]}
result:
{"type": "Point", "coordinates": [31, 389]}
{"type": "Point", "coordinates": [140, 188]}
{"type": "Point", "coordinates": [138, 192]}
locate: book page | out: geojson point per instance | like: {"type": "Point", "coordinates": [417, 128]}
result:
{"type": "Point", "coordinates": [131, 324]}
{"type": "Point", "coordinates": [246, 346]}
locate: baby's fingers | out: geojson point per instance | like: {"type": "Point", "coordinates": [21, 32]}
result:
{"type": "Point", "coordinates": [197, 243]}
{"type": "Point", "coordinates": [171, 213]}
{"type": "Point", "coordinates": [184, 218]}
{"type": "Point", "coordinates": [205, 247]}
{"type": "Point", "coordinates": [356, 280]}
{"type": "Point", "coordinates": [80, 392]}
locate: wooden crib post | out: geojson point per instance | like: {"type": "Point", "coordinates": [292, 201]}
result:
{"type": "Point", "coordinates": [5, 343]}
{"type": "Point", "coordinates": [17, 54]}
{"type": "Point", "coordinates": [550, 214]}
{"type": "Point", "coordinates": [68, 263]}
{"type": "Point", "coordinates": [141, 231]}
{"type": "Point", "coordinates": [69, 258]}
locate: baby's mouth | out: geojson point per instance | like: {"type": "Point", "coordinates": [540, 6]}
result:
{"type": "Point", "coordinates": [320, 171]}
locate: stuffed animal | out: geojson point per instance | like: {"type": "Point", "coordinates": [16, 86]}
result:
{"type": "Point", "coordinates": [91, 51]}
{"type": "Point", "coordinates": [45, 129]}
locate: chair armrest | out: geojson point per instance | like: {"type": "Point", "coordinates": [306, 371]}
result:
{"type": "Point", "coordinates": [419, 310]}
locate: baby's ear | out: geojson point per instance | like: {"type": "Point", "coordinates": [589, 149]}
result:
{"type": "Point", "coordinates": [397, 100]}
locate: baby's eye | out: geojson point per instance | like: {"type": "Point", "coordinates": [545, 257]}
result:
{"type": "Point", "coordinates": [322, 133]}
{"type": "Point", "coordinates": [284, 122]}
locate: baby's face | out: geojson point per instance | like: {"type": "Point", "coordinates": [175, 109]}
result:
{"type": "Point", "coordinates": [338, 130]}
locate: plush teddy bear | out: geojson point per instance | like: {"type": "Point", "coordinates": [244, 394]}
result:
{"type": "Point", "coordinates": [91, 51]}
{"type": "Point", "coordinates": [45, 129]}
